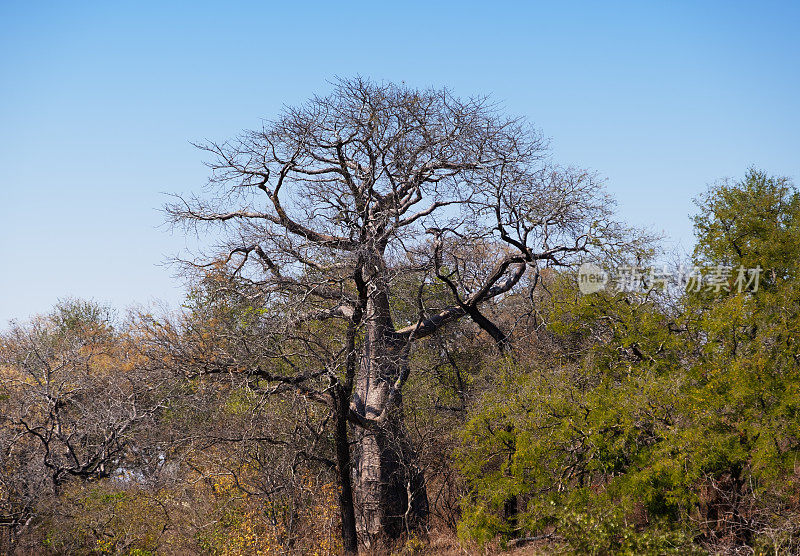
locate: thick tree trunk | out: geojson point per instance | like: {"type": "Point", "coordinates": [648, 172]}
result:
{"type": "Point", "coordinates": [390, 489]}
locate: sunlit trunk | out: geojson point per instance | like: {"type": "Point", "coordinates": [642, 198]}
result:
{"type": "Point", "coordinates": [390, 490]}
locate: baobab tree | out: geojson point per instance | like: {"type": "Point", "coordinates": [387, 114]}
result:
{"type": "Point", "coordinates": [366, 220]}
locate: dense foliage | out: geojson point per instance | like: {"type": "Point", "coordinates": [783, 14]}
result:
{"type": "Point", "coordinates": [659, 422]}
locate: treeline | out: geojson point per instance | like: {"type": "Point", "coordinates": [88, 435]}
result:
{"type": "Point", "coordinates": [644, 421]}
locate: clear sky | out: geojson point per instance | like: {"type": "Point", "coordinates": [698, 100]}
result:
{"type": "Point", "coordinates": [98, 103]}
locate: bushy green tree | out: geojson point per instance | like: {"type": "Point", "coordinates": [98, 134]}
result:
{"type": "Point", "coordinates": [674, 416]}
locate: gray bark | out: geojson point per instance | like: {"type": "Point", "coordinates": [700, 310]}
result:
{"type": "Point", "coordinates": [389, 487]}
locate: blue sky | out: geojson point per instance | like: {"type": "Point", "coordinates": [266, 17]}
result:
{"type": "Point", "coordinates": [98, 103]}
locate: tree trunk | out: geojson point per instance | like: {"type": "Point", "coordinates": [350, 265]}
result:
{"type": "Point", "coordinates": [389, 487]}
{"type": "Point", "coordinates": [511, 504]}
{"type": "Point", "coordinates": [343, 469]}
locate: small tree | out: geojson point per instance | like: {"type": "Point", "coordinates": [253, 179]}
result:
{"type": "Point", "coordinates": [329, 209]}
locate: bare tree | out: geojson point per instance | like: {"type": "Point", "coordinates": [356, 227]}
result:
{"type": "Point", "coordinates": [73, 394]}
{"type": "Point", "coordinates": [393, 211]}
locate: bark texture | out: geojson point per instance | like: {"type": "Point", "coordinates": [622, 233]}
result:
{"type": "Point", "coordinates": [390, 489]}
